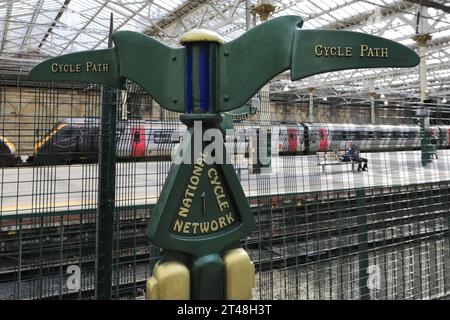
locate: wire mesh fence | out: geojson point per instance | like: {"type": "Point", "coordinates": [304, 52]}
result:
{"type": "Point", "coordinates": [325, 230]}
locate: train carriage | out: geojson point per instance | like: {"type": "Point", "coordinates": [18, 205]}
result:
{"type": "Point", "coordinates": [77, 140]}
{"type": "Point", "coordinates": [291, 139]}
{"type": "Point", "coordinates": [369, 138]}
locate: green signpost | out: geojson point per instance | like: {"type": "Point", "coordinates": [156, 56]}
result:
{"type": "Point", "coordinates": [202, 212]}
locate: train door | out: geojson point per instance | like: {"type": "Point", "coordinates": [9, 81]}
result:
{"type": "Point", "coordinates": [323, 139]}
{"type": "Point", "coordinates": [138, 142]}
{"type": "Point", "coordinates": [292, 140]}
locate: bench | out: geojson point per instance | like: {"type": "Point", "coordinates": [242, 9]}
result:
{"type": "Point", "coordinates": [332, 158]}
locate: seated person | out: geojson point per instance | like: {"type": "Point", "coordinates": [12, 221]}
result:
{"type": "Point", "coordinates": [352, 154]}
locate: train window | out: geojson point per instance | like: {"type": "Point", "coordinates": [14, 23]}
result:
{"type": "Point", "coordinates": [162, 137]}
{"type": "Point", "coordinates": [337, 135]}
{"type": "Point", "coordinates": [396, 134]}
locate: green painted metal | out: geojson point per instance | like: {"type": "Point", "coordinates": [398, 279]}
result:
{"type": "Point", "coordinates": [156, 67]}
{"type": "Point", "coordinates": [428, 150]}
{"type": "Point", "coordinates": [208, 278]}
{"type": "Point", "coordinates": [190, 217]}
{"type": "Point", "coordinates": [100, 66]}
{"type": "Point", "coordinates": [106, 196]}
{"type": "Point", "coordinates": [194, 221]}
{"type": "Point", "coordinates": [353, 50]}
{"type": "Point", "coordinates": [363, 253]}
{"type": "Point", "coordinates": [278, 45]}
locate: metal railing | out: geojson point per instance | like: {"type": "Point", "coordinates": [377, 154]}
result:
{"type": "Point", "coordinates": [381, 234]}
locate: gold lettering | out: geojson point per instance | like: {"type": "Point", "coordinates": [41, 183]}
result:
{"type": "Point", "coordinates": [78, 68]}
{"type": "Point", "coordinates": [54, 67]}
{"type": "Point", "coordinates": [362, 49]}
{"type": "Point", "coordinates": [88, 66]}
{"type": "Point", "coordinates": [376, 51]}
{"type": "Point", "coordinates": [230, 219]}
{"type": "Point", "coordinates": [348, 51]}
{"type": "Point", "coordinates": [200, 161]}
{"type": "Point", "coordinates": [370, 53]}
{"type": "Point", "coordinates": [186, 227]}
{"type": "Point", "coordinates": [215, 181]}
{"type": "Point", "coordinates": [222, 223]}
{"type": "Point", "coordinates": [194, 180]}
{"type": "Point", "coordinates": [187, 202]}
{"type": "Point", "coordinates": [219, 197]}
{"type": "Point", "coordinates": [197, 170]}
{"type": "Point", "coordinates": [178, 225]}
{"type": "Point", "coordinates": [218, 190]}
{"type": "Point", "coordinates": [105, 67]}
{"type": "Point", "coordinates": [183, 212]}
{"type": "Point", "coordinates": [195, 225]}
{"type": "Point", "coordinates": [212, 173]}
{"type": "Point", "coordinates": [333, 51]}
{"type": "Point", "coordinates": [223, 205]}
{"type": "Point", "coordinates": [187, 193]}
{"type": "Point", "coordinates": [204, 227]}
{"type": "Point", "coordinates": [214, 225]}
{"type": "Point", "coordinates": [318, 50]}
{"type": "Point", "coordinates": [384, 52]}
{"type": "Point", "coordinates": [66, 68]}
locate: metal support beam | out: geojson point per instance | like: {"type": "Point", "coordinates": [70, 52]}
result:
{"type": "Point", "coordinates": [6, 26]}
{"type": "Point", "coordinates": [431, 4]}
{"type": "Point", "coordinates": [32, 22]}
{"type": "Point", "coordinates": [123, 23]}
{"type": "Point", "coordinates": [372, 94]}
{"type": "Point", "coordinates": [311, 105]}
{"type": "Point", "coordinates": [85, 25]}
{"type": "Point", "coordinates": [58, 16]}
{"type": "Point", "coordinates": [422, 39]}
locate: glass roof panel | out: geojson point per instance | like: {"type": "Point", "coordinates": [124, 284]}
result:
{"type": "Point", "coordinates": [46, 26]}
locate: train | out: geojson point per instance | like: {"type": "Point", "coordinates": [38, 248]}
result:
{"type": "Point", "coordinates": [8, 153]}
{"type": "Point", "coordinates": [76, 140]}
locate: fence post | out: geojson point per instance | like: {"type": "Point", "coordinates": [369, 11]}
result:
{"type": "Point", "coordinates": [106, 196]}
{"type": "Point", "coordinates": [363, 254]}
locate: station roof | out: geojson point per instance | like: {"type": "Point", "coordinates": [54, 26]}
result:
{"type": "Point", "coordinates": [32, 30]}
